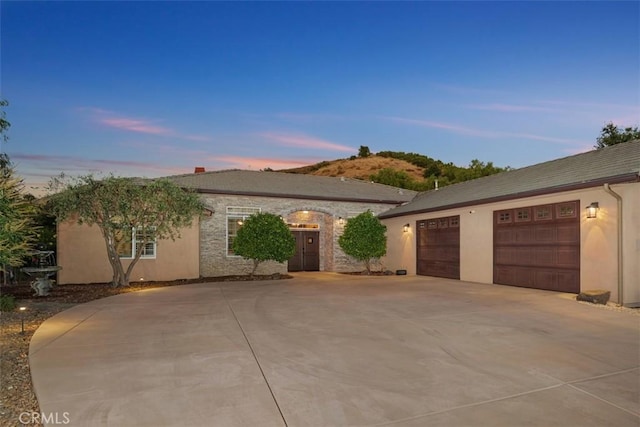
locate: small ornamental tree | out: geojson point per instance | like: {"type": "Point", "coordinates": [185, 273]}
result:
{"type": "Point", "coordinates": [155, 209]}
{"type": "Point", "coordinates": [264, 237]}
{"type": "Point", "coordinates": [364, 238]}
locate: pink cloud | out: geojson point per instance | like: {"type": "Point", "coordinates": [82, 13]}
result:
{"type": "Point", "coordinates": [304, 141]}
{"type": "Point", "coordinates": [241, 162]}
{"type": "Point", "coordinates": [136, 126]}
{"type": "Point", "coordinates": [131, 124]}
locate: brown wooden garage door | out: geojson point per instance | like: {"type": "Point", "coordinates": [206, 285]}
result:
{"type": "Point", "coordinates": [538, 247]}
{"type": "Point", "coordinates": [438, 243]}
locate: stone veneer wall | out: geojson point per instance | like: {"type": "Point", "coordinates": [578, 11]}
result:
{"type": "Point", "coordinates": [213, 231]}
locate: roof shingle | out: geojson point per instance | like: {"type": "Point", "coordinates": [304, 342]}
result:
{"type": "Point", "coordinates": [279, 184]}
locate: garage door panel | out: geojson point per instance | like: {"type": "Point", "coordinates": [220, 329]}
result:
{"type": "Point", "coordinates": [523, 235]}
{"type": "Point", "coordinates": [568, 233]}
{"type": "Point", "coordinates": [504, 256]}
{"type": "Point", "coordinates": [568, 257]}
{"type": "Point", "coordinates": [544, 256]}
{"type": "Point", "coordinates": [505, 235]}
{"type": "Point", "coordinates": [541, 250]}
{"type": "Point", "coordinates": [545, 233]}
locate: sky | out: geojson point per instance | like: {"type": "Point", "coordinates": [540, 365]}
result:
{"type": "Point", "coordinates": [157, 88]}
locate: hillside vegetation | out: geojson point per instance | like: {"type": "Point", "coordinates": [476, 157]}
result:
{"type": "Point", "coordinates": [405, 170]}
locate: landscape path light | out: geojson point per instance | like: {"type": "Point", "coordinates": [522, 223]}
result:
{"type": "Point", "coordinates": [22, 310]}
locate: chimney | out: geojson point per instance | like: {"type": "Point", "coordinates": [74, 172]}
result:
{"type": "Point", "coordinates": [199, 169]}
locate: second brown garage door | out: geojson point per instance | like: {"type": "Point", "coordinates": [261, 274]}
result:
{"type": "Point", "coordinates": [538, 247]}
{"type": "Point", "coordinates": [438, 244]}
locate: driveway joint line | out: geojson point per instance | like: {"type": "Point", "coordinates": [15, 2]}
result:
{"type": "Point", "coordinates": [65, 333]}
{"type": "Point", "coordinates": [604, 400]}
{"type": "Point", "coordinates": [255, 357]}
{"type": "Point", "coordinates": [469, 405]}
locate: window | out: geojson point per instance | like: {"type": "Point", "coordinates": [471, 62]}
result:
{"type": "Point", "coordinates": [235, 218]}
{"type": "Point", "coordinates": [127, 243]}
{"type": "Point", "coordinates": [566, 210]}
{"type": "Point", "coordinates": [504, 217]}
{"type": "Point", "coordinates": [523, 214]}
{"type": "Point", "coordinates": [543, 213]}
{"type": "Point", "coordinates": [454, 221]}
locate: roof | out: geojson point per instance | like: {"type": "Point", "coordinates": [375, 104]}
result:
{"type": "Point", "coordinates": [287, 185]}
{"type": "Point", "coordinates": [614, 164]}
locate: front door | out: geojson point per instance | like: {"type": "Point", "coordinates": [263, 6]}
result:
{"type": "Point", "coordinates": [307, 256]}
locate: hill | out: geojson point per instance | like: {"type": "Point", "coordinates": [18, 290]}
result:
{"type": "Point", "coordinates": [359, 168]}
{"type": "Point", "coordinates": [405, 170]}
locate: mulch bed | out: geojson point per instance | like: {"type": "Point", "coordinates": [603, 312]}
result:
{"type": "Point", "coordinates": [16, 390]}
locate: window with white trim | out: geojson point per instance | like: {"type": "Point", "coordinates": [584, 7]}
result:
{"type": "Point", "coordinates": [235, 218]}
{"type": "Point", "coordinates": [128, 243]}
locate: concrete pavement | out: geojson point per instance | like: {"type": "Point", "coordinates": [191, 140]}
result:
{"type": "Point", "coordinates": [336, 350]}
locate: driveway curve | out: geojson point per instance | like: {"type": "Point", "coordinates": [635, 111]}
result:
{"type": "Point", "coordinates": [325, 349]}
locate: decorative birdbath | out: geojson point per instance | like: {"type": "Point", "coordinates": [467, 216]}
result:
{"type": "Point", "coordinates": [42, 283]}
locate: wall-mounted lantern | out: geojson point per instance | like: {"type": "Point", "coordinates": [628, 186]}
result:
{"type": "Point", "coordinates": [340, 220]}
{"type": "Point", "coordinates": [592, 210]}
{"type": "Point", "coordinates": [406, 228]}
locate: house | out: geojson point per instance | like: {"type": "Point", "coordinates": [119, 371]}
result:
{"type": "Point", "coordinates": [568, 225]}
{"type": "Point", "coordinates": [315, 208]}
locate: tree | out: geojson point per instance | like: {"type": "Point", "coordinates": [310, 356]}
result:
{"type": "Point", "coordinates": [153, 209]}
{"type": "Point", "coordinates": [17, 229]}
{"type": "Point", "coordinates": [264, 237]}
{"type": "Point", "coordinates": [364, 151]}
{"type": "Point", "coordinates": [4, 127]}
{"type": "Point", "coordinates": [393, 177]}
{"type": "Point", "coordinates": [364, 238]}
{"type": "Point", "coordinates": [612, 135]}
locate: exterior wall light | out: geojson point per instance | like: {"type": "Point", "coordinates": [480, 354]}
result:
{"type": "Point", "coordinates": [340, 220]}
{"type": "Point", "coordinates": [592, 210]}
{"type": "Point", "coordinates": [406, 228]}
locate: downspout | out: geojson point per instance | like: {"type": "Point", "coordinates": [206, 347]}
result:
{"type": "Point", "coordinates": [619, 199]}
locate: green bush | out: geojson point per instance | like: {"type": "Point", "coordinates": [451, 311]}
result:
{"type": "Point", "coordinates": [264, 237]}
{"type": "Point", "coordinates": [364, 238]}
{"type": "Point", "coordinates": [7, 303]}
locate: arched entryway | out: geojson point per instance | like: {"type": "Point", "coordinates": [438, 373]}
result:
{"type": "Point", "coordinates": [308, 229]}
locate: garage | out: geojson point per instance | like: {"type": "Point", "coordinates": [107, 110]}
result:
{"type": "Point", "coordinates": [438, 247]}
{"type": "Point", "coordinates": [538, 247]}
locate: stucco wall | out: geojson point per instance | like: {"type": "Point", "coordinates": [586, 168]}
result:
{"type": "Point", "coordinates": [214, 260]}
{"type": "Point", "coordinates": [598, 257]}
{"type": "Point", "coordinates": [82, 254]}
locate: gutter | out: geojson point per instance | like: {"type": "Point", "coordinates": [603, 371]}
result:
{"type": "Point", "coordinates": [608, 189]}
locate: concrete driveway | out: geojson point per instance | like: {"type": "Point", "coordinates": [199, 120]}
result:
{"type": "Point", "coordinates": [339, 350]}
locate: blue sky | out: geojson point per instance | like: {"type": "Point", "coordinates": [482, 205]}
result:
{"type": "Point", "coordinates": [157, 88]}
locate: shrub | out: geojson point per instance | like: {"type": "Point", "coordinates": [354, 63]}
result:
{"type": "Point", "coordinates": [264, 237]}
{"type": "Point", "coordinates": [364, 238]}
{"type": "Point", "coordinates": [7, 303]}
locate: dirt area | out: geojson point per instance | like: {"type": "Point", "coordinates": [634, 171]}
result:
{"type": "Point", "coordinates": [17, 327]}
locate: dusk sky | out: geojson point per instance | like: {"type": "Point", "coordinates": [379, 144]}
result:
{"type": "Point", "coordinates": [157, 88]}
